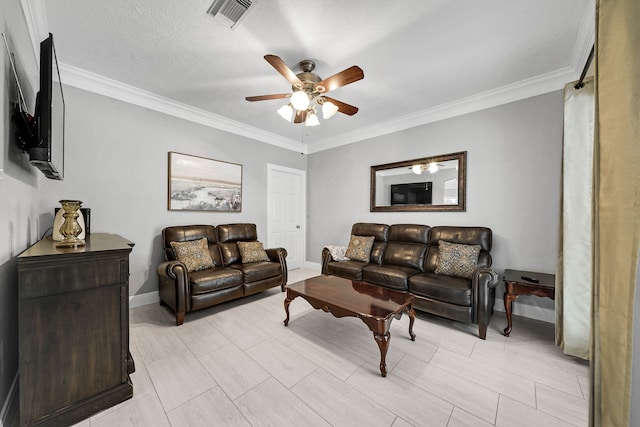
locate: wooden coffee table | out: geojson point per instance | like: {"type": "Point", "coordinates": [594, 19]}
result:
{"type": "Point", "coordinates": [375, 305]}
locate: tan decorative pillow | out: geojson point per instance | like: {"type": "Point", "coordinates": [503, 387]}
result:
{"type": "Point", "coordinates": [194, 254]}
{"type": "Point", "coordinates": [252, 252]}
{"type": "Point", "coordinates": [457, 260]}
{"type": "Point", "coordinates": [359, 248]}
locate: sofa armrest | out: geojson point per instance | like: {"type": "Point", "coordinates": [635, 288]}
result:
{"type": "Point", "coordinates": [326, 257]}
{"type": "Point", "coordinates": [486, 277]}
{"type": "Point", "coordinates": [484, 281]}
{"type": "Point", "coordinates": [174, 287]}
{"type": "Point", "coordinates": [279, 255]}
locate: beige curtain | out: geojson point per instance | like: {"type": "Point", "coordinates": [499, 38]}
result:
{"type": "Point", "coordinates": [617, 208]}
{"type": "Point", "coordinates": [574, 275]}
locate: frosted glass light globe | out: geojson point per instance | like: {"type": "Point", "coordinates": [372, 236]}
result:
{"type": "Point", "coordinates": [329, 109]}
{"type": "Point", "coordinates": [286, 112]}
{"type": "Point", "coordinates": [300, 100]}
{"type": "Point", "coordinates": [312, 119]}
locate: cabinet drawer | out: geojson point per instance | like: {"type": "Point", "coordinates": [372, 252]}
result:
{"type": "Point", "coordinates": [57, 278]}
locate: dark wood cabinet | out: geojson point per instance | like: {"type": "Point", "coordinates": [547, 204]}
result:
{"type": "Point", "coordinates": [73, 329]}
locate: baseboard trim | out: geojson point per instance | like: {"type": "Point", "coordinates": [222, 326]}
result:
{"type": "Point", "coordinates": [144, 299]}
{"type": "Point", "coordinates": [531, 312]}
{"type": "Point", "coordinates": [6, 407]}
{"type": "Point", "coordinates": [313, 266]}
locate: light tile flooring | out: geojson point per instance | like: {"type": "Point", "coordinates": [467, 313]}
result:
{"type": "Point", "coordinates": [236, 364]}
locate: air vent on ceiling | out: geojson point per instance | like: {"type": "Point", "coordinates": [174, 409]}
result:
{"type": "Point", "coordinates": [231, 12]}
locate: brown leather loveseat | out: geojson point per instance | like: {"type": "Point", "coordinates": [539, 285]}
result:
{"type": "Point", "coordinates": [226, 272]}
{"type": "Point", "coordinates": [419, 259]}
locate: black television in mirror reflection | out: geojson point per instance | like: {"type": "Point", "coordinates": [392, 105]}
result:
{"type": "Point", "coordinates": [415, 193]}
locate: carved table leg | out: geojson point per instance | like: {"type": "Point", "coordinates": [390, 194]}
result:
{"type": "Point", "coordinates": [287, 301]}
{"type": "Point", "coordinates": [383, 344]}
{"type": "Point", "coordinates": [412, 318]}
{"type": "Point", "coordinates": [508, 300]}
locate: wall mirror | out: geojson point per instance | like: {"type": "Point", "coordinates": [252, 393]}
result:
{"type": "Point", "coordinates": [428, 184]}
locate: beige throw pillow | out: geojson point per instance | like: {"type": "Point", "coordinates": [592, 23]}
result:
{"type": "Point", "coordinates": [252, 252]}
{"type": "Point", "coordinates": [457, 260]}
{"type": "Point", "coordinates": [194, 254]}
{"type": "Point", "coordinates": [359, 248]}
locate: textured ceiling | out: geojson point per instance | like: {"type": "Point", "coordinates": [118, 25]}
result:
{"type": "Point", "coordinates": [417, 55]}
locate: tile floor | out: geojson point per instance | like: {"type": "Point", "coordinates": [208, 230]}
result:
{"type": "Point", "coordinates": [237, 365]}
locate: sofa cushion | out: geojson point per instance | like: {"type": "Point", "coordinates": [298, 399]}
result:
{"type": "Point", "coordinates": [359, 248]}
{"type": "Point", "coordinates": [209, 280]}
{"type": "Point", "coordinates": [346, 269]}
{"type": "Point", "coordinates": [405, 254]}
{"type": "Point", "coordinates": [393, 277]}
{"type": "Point", "coordinates": [453, 290]}
{"type": "Point", "coordinates": [463, 235]}
{"type": "Point", "coordinates": [252, 252]}
{"type": "Point", "coordinates": [258, 270]}
{"type": "Point", "coordinates": [381, 234]}
{"type": "Point", "coordinates": [244, 232]}
{"type": "Point", "coordinates": [409, 233]}
{"type": "Point", "coordinates": [457, 260]}
{"type": "Point", "coordinates": [194, 254]}
{"type": "Point", "coordinates": [379, 231]}
{"type": "Point", "coordinates": [184, 233]}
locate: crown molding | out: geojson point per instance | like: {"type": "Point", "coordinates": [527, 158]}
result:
{"type": "Point", "coordinates": [503, 95]}
{"type": "Point", "coordinates": [35, 14]}
{"type": "Point", "coordinates": [539, 85]}
{"type": "Point", "coordinates": [82, 79]}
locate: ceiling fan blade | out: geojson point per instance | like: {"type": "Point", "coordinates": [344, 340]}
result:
{"type": "Point", "coordinates": [344, 108]}
{"type": "Point", "coordinates": [301, 116]}
{"type": "Point", "coordinates": [268, 97]}
{"type": "Point", "coordinates": [343, 78]}
{"type": "Point", "coordinates": [283, 69]}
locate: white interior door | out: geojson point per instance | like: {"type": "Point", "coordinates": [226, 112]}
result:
{"type": "Point", "coordinates": [286, 216]}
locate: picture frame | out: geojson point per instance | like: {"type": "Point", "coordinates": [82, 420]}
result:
{"type": "Point", "coordinates": [202, 184]}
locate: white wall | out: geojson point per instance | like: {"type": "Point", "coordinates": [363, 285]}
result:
{"type": "Point", "coordinates": [513, 185]}
{"type": "Point", "coordinates": [18, 191]}
{"type": "Point", "coordinates": [116, 163]}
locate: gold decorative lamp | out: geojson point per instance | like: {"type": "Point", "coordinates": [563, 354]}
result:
{"type": "Point", "coordinates": [70, 228]}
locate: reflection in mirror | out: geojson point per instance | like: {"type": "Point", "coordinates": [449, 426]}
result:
{"type": "Point", "coordinates": [428, 184]}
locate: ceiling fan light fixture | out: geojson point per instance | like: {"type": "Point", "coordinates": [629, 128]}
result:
{"type": "Point", "coordinates": [300, 100]}
{"type": "Point", "coordinates": [417, 169]}
{"type": "Point", "coordinates": [312, 119]}
{"type": "Point", "coordinates": [329, 109]}
{"type": "Point", "coordinates": [307, 91]}
{"type": "Point", "coordinates": [286, 112]}
{"type": "Point", "coordinates": [432, 167]}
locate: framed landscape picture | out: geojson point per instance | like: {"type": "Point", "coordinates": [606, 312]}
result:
{"type": "Point", "coordinates": [201, 184]}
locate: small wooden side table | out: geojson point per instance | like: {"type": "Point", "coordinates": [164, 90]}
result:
{"type": "Point", "coordinates": [519, 282]}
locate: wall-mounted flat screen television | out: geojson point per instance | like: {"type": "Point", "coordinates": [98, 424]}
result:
{"type": "Point", "coordinates": [47, 154]}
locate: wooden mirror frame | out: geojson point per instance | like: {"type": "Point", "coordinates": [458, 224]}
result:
{"type": "Point", "coordinates": [461, 157]}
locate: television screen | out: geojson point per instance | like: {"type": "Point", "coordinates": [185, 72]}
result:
{"type": "Point", "coordinates": [48, 153]}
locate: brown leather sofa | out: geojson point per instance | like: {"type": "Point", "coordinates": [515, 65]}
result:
{"type": "Point", "coordinates": [405, 257]}
{"type": "Point", "coordinates": [229, 279]}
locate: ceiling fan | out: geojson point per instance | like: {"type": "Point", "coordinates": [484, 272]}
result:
{"type": "Point", "coordinates": [308, 92]}
{"type": "Point", "coordinates": [431, 167]}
